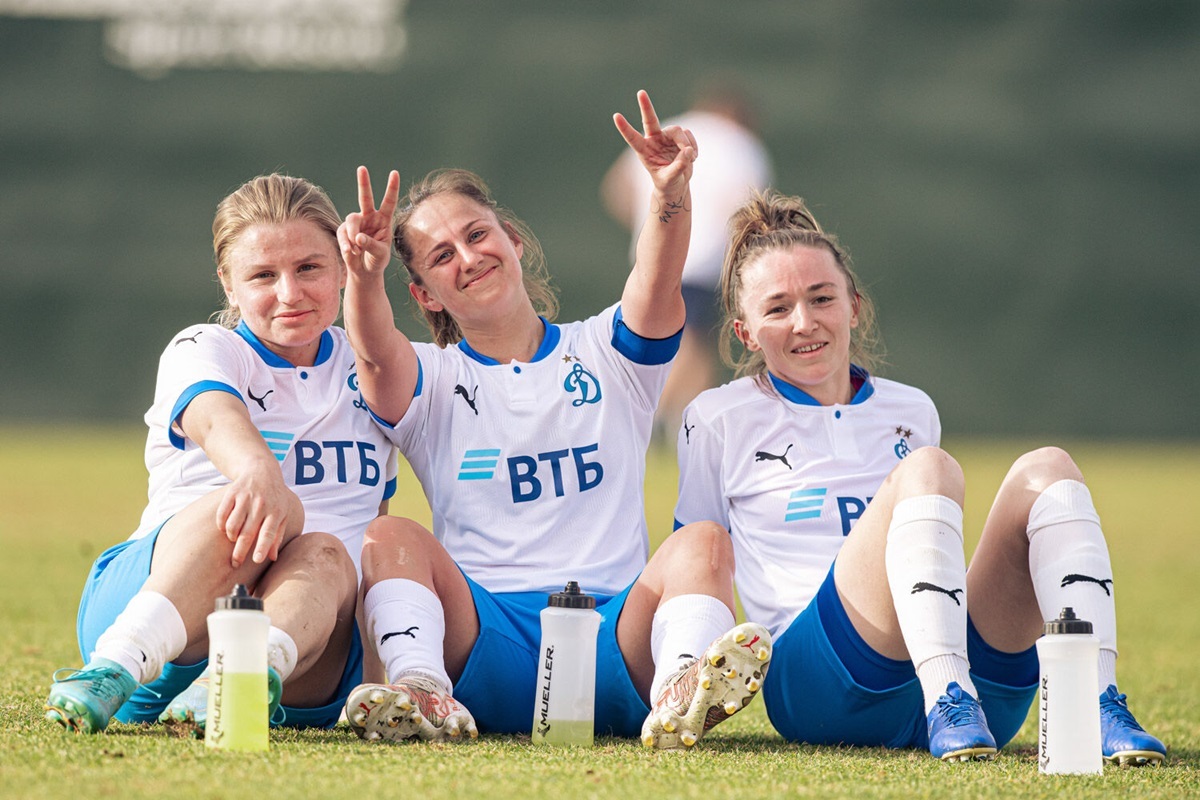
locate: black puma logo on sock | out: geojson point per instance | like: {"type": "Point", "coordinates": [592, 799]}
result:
{"type": "Point", "coordinates": [765, 456]}
{"type": "Point", "coordinates": [470, 398]}
{"type": "Point", "coordinates": [1103, 583]}
{"type": "Point", "coordinates": [408, 632]}
{"type": "Point", "coordinates": [922, 586]}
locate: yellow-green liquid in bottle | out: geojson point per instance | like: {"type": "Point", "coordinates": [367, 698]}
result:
{"type": "Point", "coordinates": [564, 733]}
{"type": "Point", "coordinates": [237, 711]}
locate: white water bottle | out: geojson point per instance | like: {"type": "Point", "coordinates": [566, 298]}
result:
{"type": "Point", "coordinates": [1069, 698]}
{"type": "Point", "coordinates": [237, 673]}
{"type": "Point", "coordinates": [564, 707]}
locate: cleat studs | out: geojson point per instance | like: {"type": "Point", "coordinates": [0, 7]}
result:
{"type": "Point", "coordinates": [371, 736]}
{"type": "Point", "coordinates": [730, 708]}
{"type": "Point", "coordinates": [668, 726]}
{"type": "Point", "coordinates": [717, 660]}
{"type": "Point", "coordinates": [706, 683]}
{"type": "Point", "coordinates": [377, 697]}
{"type": "Point", "coordinates": [648, 740]}
{"type": "Point", "coordinates": [359, 719]}
{"type": "Point", "coordinates": [739, 638]}
{"type": "Point", "coordinates": [753, 685]}
{"type": "Point", "coordinates": [731, 673]}
{"type": "Point", "coordinates": [763, 654]}
{"type": "Point", "coordinates": [393, 722]}
{"type": "Point", "coordinates": [688, 738]}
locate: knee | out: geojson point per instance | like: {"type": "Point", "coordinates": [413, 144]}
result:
{"type": "Point", "coordinates": [929, 470]}
{"type": "Point", "coordinates": [325, 556]}
{"type": "Point", "coordinates": [390, 542]}
{"type": "Point", "coordinates": [1041, 468]}
{"type": "Point", "coordinates": [705, 545]}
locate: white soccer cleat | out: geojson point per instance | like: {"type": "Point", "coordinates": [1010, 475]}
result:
{"type": "Point", "coordinates": [711, 689]}
{"type": "Point", "coordinates": [411, 708]}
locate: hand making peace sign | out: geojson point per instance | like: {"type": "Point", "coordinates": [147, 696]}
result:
{"type": "Point", "coordinates": [365, 237]}
{"type": "Point", "coordinates": [666, 153]}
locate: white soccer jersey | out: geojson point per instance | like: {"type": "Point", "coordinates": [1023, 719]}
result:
{"type": "Point", "coordinates": [333, 455]}
{"type": "Point", "coordinates": [788, 477]}
{"type": "Point", "coordinates": [534, 471]}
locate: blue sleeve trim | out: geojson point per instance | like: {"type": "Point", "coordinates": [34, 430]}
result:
{"type": "Point", "coordinates": [420, 378]}
{"type": "Point", "coordinates": [641, 350]}
{"type": "Point", "coordinates": [390, 489]}
{"type": "Point", "coordinates": [678, 525]}
{"type": "Point", "coordinates": [189, 394]}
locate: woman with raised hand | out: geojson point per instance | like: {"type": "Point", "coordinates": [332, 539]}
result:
{"type": "Point", "coordinates": [529, 438]}
{"type": "Point", "coordinates": [265, 469]}
{"type": "Point", "coordinates": [847, 521]}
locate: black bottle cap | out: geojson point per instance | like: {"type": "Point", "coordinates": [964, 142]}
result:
{"type": "Point", "coordinates": [240, 598]}
{"type": "Point", "coordinates": [571, 597]}
{"type": "Point", "coordinates": [1067, 622]}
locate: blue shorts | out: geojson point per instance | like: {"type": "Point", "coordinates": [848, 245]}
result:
{"type": "Point", "coordinates": [116, 576]}
{"type": "Point", "coordinates": [499, 681]}
{"type": "Point", "coordinates": [827, 686]}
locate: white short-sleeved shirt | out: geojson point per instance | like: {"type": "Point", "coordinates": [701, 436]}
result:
{"type": "Point", "coordinates": [534, 471]}
{"type": "Point", "coordinates": [788, 477]}
{"type": "Point", "coordinates": [333, 455]}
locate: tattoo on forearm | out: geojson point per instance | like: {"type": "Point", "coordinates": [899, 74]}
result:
{"type": "Point", "coordinates": [671, 209]}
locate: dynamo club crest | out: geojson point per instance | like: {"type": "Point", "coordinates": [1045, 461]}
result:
{"type": "Point", "coordinates": [585, 383]}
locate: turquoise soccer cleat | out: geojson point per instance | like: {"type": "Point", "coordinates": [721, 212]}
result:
{"type": "Point", "coordinates": [958, 730]}
{"type": "Point", "coordinates": [86, 699]}
{"type": "Point", "coordinates": [190, 707]}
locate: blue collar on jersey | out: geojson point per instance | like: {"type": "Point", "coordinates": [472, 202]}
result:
{"type": "Point", "coordinates": [803, 398]}
{"type": "Point", "coordinates": [275, 360]}
{"type": "Point", "coordinates": [550, 339]}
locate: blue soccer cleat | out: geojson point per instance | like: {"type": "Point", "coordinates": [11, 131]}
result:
{"type": "Point", "coordinates": [189, 709]}
{"type": "Point", "coordinates": [1123, 740]}
{"type": "Point", "coordinates": [958, 730]}
{"type": "Point", "coordinates": [86, 699]}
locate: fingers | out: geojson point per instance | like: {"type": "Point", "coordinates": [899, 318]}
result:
{"type": "Point", "coordinates": [628, 132]}
{"type": "Point", "coordinates": [650, 125]}
{"type": "Point", "coordinates": [366, 198]}
{"type": "Point", "coordinates": [391, 195]}
{"type": "Point", "coordinates": [267, 545]}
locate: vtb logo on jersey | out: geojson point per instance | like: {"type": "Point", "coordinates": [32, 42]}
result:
{"type": "Point", "coordinates": [580, 380]}
{"type": "Point", "coordinates": [902, 449]}
{"type": "Point", "coordinates": [527, 474]}
{"type": "Point", "coordinates": [804, 504]}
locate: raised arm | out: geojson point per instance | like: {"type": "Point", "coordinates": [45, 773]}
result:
{"type": "Point", "coordinates": [386, 362]}
{"type": "Point", "coordinates": [652, 304]}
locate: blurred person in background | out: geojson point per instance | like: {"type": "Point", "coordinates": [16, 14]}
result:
{"type": "Point", "coordinates": [735, 164]}
{"type": "Point", "coordinates": [847, 523]}
{"type": "Point", "coordinates": [265, 469]}
{"type": "Point", "coordinates": [529, 438]}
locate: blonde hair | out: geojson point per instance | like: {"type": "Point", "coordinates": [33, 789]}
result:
{"type": "Point", "coordinates": [267, 199]}
{"type": "Point", "coordinates": [772, 221]}
{"type": "Point", "coordinates": [462, 182]}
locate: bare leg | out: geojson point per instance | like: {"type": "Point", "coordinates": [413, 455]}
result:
{"type": "Point", "coordinates": [696, 559]}
{"type": "Point", "coordinates": [860, 571]}
{"type": "Point", "coordinates": [1003, 604]}
{"type": "Point", "coordinates": [310, 594]}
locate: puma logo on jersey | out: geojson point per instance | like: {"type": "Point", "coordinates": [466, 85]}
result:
{"type": "Point", "coordinates": [191, 338]}
{"type": "Point", "coordinates": [762, 455]}
{"type": "Point", "coordinates": [470, 398]}
{"type": "Point", "coordinates": [260, 400]}
{"type": "Point", "coordinates": [922, 586]}
{"type": "Point", "coordinates": [408, 632]}
{"type": "Point", "coordinates": [1076, 578]}
{"type": "Point", "coordinates": [687, 432]}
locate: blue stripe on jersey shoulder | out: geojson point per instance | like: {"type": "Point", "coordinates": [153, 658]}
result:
{"type": "Point", "coordinates": [550, 336]}
{"type": "Point", "coordinates": [803, 398]}
{"type": "Point", "coordinates": [639, 349]}
{"type": "Point", "coordinates": [271, 359]}
{"type": "Point", "coordinates": [187, 396]}
{"type": "Point", "coordinates": [389, 489]}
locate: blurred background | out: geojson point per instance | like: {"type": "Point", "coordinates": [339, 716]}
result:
{"type": "Point", "coordinates": [1018, 182]}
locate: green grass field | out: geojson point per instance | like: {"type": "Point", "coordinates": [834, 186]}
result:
{"type": "Point", "coordinates": [67, 493]}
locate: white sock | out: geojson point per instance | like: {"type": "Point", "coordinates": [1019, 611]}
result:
{"type": "Point", "coordinates": [927, 573]}
{"type": "Point", "coordinates": [1069, 563]}
{"type": "Point", "coordinates": [408, 626]}
{"type": "Point", "coordinates": [683, 628]}
{"type": "Point", "coordinates": [1108, 668]}
{"type": "Point", "coordinates": [144, 637]}
{"type": "Point", "coordinates": [281, 652]}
